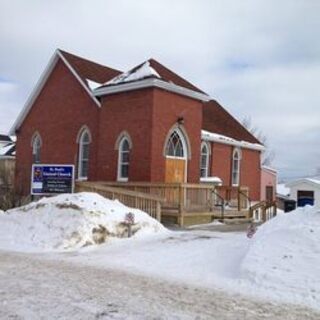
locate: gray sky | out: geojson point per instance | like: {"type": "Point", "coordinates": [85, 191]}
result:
{"type": "Point", "coordinates": [257, 58]}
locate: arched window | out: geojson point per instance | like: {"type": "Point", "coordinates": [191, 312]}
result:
{"type": "Point", "coordinates": [204, 160]}
{"type": "Point", "coordinates": [176, 146]}
{"type": "Point", "coordinates": [84, 140]}
{"type": "Point", "coordinates": [123, 159]}
{"type": "Point", "coordinates": [236, 167]}
{"type": "Point", "coordinates": [36, 148]}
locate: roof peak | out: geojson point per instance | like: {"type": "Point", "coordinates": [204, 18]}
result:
{"type": "Point", "coordinates": [88, 69]}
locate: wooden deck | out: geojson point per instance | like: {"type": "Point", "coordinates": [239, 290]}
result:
{"type": "Point", "coordinates": [182, 203]}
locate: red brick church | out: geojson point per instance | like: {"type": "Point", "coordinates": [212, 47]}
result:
{"type": "Point", "coordinates": [147, 124]}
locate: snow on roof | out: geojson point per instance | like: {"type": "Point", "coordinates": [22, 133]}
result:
{"type": "Point", "coordinates": [315, 181]}
{"type": "Point", "coordinates": [93, 84]}
{"type": "Point", "coordinates": [8, 150]}
{"type": "Point", "coordinates": [210, 136]}
{"type": "Point", "coordinates": [141, 72]}
{"type": "Point", "coordinates": [282, 190]}
{"type": "Point", "coordinates": [270, 169]}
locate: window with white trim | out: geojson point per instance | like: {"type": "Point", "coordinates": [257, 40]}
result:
{"type": "Point", "coordinates": [83, 164]}
{"type": "Point", "coordinates": [204, 160]}
{"type": "Point", "coordinates": [236, 167]}
{"type": "Point", "coordinates": [123, 159]}
{"type": "Point", "coordinates": [175, 146]}
{"type": "Point", "coordinates": [36, 148]}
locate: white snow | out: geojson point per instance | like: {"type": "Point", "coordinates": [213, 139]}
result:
{"type": "Point", "coordinates": [93, 84]}
{"type": "Point", "coordinates": [210, 136]}
{"type": "Point", "coordinates": [281, 262]}
{"type": "Point", "coordinates": [213, 180]}
{"type": "Point", "coordinates": [144, 71]}
{"type": "Point", "coordinates": [70, 221]}
{"type": "Point", "coordinates": [315, 180]}
{"type": "Point", "coordinates": [285, 256]}
{"type": "Point", "coordinates": [283, 190]}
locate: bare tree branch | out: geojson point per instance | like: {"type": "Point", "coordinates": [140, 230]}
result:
{"type": "Point", "coordinates": [269, 154]}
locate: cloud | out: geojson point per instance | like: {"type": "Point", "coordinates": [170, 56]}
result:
{"type": "Point", "coordinates": [9, 104]}
{"type": "Point", "coordinates": [258, 58]}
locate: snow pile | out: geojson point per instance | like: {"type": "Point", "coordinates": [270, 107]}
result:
{"type": "Point", "coordinates": [70, 221]}
{"type": "Point", "coordinates": [284, 256]}
{"type": "Point", "coordinates": [141, 72]}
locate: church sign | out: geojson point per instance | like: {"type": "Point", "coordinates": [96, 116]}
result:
{"type": "Point", "coordinates": [47, 179]}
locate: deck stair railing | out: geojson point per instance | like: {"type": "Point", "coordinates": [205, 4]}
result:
{"type": "Point", "coordinates": [220, 203]}
{"type": "Point", "coordinates": [263, 211]}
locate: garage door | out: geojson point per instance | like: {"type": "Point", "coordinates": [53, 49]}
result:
{"type": "Point", "coordinates": [305, 198]}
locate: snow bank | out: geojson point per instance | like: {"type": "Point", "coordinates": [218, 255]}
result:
{"type": "Point", "coordinates": [284, 256]}
{"type": "Point", "coordinates": [70, 221]}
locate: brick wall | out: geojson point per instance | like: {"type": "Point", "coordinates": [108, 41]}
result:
{"type": "Point", "coordinates": [131, 112]}
{"type": "Point", "coordinates": [167, 108]}
{"type": "Point", "coordinates": [250, 172]}
{"type": "Point", "coordinates": [58, 113]}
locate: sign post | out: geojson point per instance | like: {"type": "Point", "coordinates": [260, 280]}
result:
{"type": "Point", "coordinates": [48, 179]}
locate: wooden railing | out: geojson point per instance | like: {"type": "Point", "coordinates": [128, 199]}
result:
{"type": "Point", "coordinates": [177, 196]}
{"type": "Point", "coordinates": [145, 202]}
{"type": "Point", "coordinates": [263, 211]}
{"type": "Point", "coordinates": [188, 197]}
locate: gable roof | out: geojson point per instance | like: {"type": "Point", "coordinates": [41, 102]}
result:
{"type": "Point", "coordinates": [315, 182]}
{"type": "Point", "coordinates": [151, 69]}
{"type": "Point", "coordinates": [5, 138]}
{"type": "Point", "coordinates": [87, 69]}
{"type": "Point", "coordinates": [170, 76]}
{"type": "Point", "coordinates": [79, 67]}
{"type": "Point", "coordinates": [217, 120]}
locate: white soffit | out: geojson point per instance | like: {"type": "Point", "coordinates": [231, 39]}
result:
{"type": "Point", "coordinates": [151, 82]}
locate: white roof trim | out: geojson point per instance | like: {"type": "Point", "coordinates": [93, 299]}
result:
{"type": "Point", "coordinates": [147, 83]}
{"type": "Point", "coordinates": [215, 137]}
{"type": "Point", "coordinates": [40, 84]}
{"type": "Point", "coordinates": [310, 181]}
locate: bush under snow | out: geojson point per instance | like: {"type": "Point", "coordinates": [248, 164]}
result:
{"type": "Point", "coordinates": [285, 255]}
{"type": "Point", "coordinates": [70, 221]}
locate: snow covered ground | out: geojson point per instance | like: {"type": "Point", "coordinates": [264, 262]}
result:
{"type": "Point", "coordinates": [281, 263]}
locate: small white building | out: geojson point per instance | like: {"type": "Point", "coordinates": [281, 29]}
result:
{"type": "Point", "coordinates": [305, 191]}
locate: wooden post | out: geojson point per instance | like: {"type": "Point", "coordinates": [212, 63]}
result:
{"type": "Point", "coordinates": [158, 211]}
{"type": "Point", "coordinates": [274, 209]}
{"type": "Point", "coordinates": [239, 200]}
{"type": "Point", "coordinates": [264, 211]}
{"type": "Point", "coordinates": [181, 206]}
